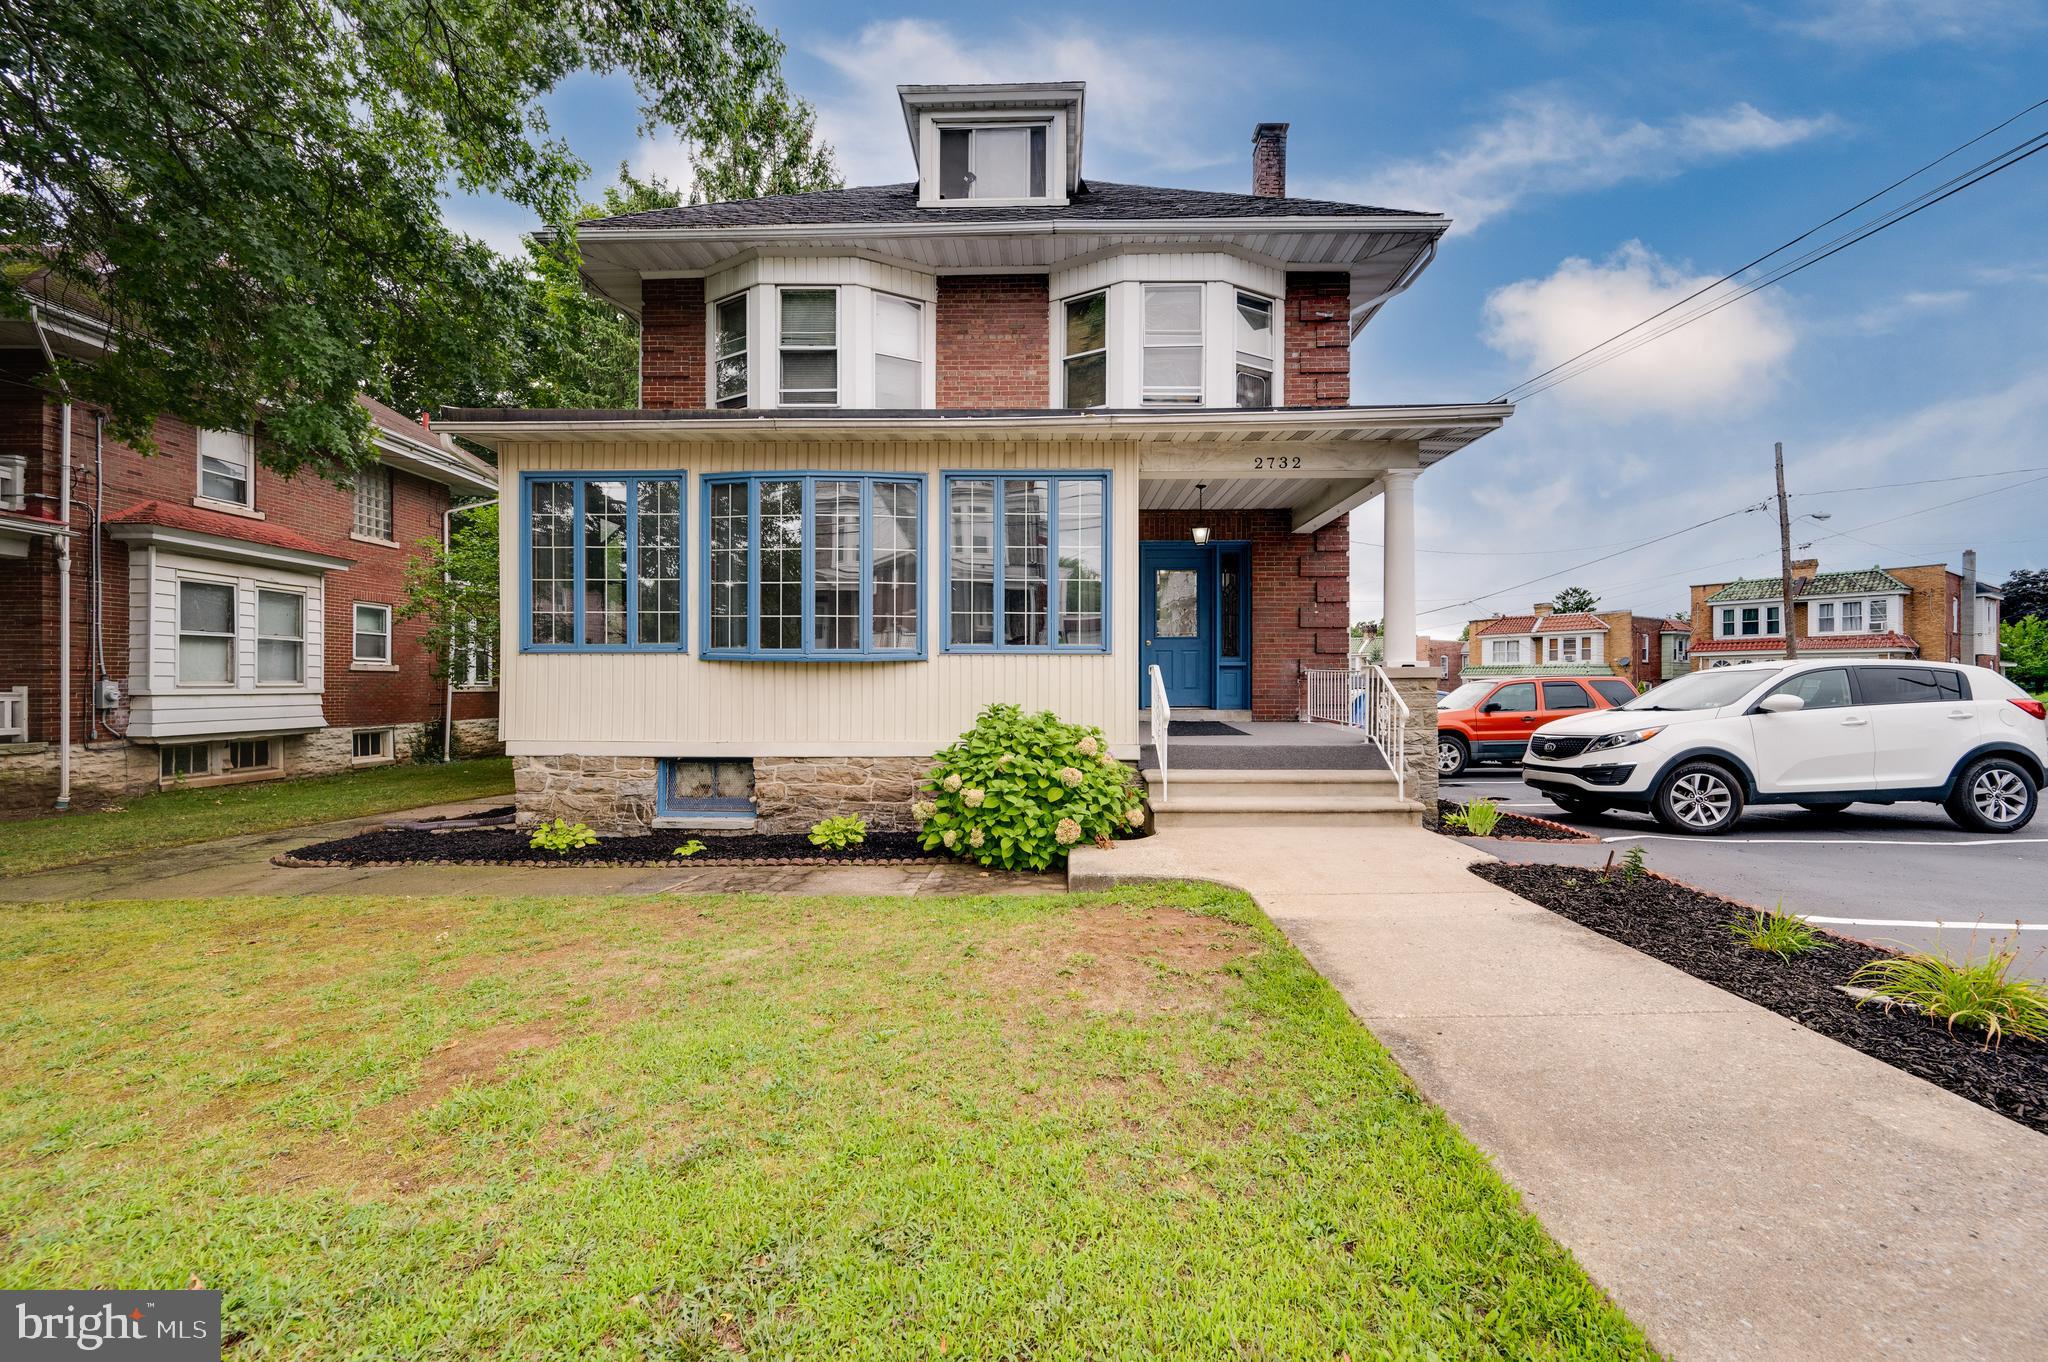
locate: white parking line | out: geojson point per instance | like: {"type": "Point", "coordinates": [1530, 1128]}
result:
{"type": "Point", "coordinates": [1928, 922]}
{"type": "Point", "coordinates": [1831, 841]}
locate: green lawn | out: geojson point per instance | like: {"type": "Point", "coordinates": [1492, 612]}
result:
{"type": "Point", "coordinates": [176, 818]}
{"type": "Point", "coordinates": [1124, 1126]}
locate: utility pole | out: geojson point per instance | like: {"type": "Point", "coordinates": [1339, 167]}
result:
{"type": "Point", "coordinates": [1785, 558]}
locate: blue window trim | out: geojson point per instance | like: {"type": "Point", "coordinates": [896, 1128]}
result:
{"type": "Point", "coordinates": [866, 652]}
{"type": "Point", "coordinates": [632, 479]}
{"type": "Point", "coordinates": [665, 805]}
{"type": "Point", "coordinates": [1053, 476]}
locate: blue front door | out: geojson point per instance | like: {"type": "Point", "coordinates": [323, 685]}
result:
{"type": "Point", "coordinates": [1176, 622]}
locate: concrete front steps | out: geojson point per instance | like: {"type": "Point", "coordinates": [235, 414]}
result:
{"type": "Point", "coordinates": [1320, 799]}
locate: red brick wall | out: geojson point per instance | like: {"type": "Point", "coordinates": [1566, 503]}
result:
{"type": "Point", "coordinates": [1301, 596]}
{"type": "Point", "coordinates": [672, 343]}
{"type": "Point", "coordinates": [993, 347]}
{"type": "Point", "coordinates": [307, 504]}
{"type": "Point", "coordinates": [1318, 338]}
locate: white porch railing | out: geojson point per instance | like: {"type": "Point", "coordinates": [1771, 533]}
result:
{"type": "Point", "coordinates": [1367, 701]}
{"type": "Point", "coordinates": [1162, 725]}
{"type": "Point", "coordinates": [14, 715]}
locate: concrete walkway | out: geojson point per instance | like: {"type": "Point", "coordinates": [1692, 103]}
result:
{"type": "Point", "coordinates": [1742, 1187]}
{"type": "Point", "coordinates": [241, 866]}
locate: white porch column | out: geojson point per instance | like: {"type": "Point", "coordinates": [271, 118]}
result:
{"type": "Point", "coordinates": [1397, 573]}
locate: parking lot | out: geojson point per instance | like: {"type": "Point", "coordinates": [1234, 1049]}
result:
{"type": "Point", "coordinates": [1902, 876]}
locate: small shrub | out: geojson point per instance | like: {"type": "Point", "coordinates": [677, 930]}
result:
{"type": "Point", "coordinates": [837, 834]}
{"type": "Point", "coordinates": [562, 838]}
{"type": "Point", "coordinates": [1479, 817]}
{"type": "Point", "coordinates": [689, 848]}
{"type": "Point", "coordinates": [1980, 994]}
{"type": "Point", "coordinates": [1019, 791]}
{"type": "Point", "coordinates": [1632, 868]}
{"type": "Point", "coordinates": [1778, 932]}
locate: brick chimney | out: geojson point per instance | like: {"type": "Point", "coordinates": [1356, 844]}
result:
{"type": "Point", "coordinates": [1269, 161]}
{"type": "Point", "coordinates": [1542, 608]}
{"type": "Point", "coordinates": [1806, 567]}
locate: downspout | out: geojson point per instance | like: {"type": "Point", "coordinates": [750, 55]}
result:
{"type": "Point", "coordinates": [448, 690]}
{"type": "Point", "coordinates": [63, 571]}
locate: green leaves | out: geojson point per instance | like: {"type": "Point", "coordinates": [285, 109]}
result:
{"type": "Point", "coordinates": [561, 837]}
{"type": "Point", "coordinates": [837, 834]}
{"type": "Point", "coordinates": [1019, 791]}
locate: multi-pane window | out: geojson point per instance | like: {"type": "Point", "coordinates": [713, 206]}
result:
{"type": "Point", "coordinates": [899, 352]}
{"type": "Point", "coordinates": [1086, 363]}
{"type": "Point", "coordinates": [226, 466]}
{"type": "Point", "coordinates": [1852, 617]}
{"type": "Point", "coordinates": [1748, 621]}
{"type": "Point", "coordinates": [1824, 618]}
{"type": "Point", "coordinates": [476, 658]}
{"type": "Point", "coordinates": [206, 634]}
{"type": "Point", "coordinates": [992, 163]}
{"type": "Point", "coordinates": [175, 760]}
{"type": "Point", "coordinates": [372, 633]}
{"type": "Point", "coordinates": [810, 347]}
{"type": "Point", "coordinates": [604, 561]}
{"type": "Point", "coordinates": [1254, 351]}
{"type": "Point", "coordinates": [280, 638]}
{"type": "Point", "coordinates": [1880, 615]}
{"type": "Point", "coordinates": [1026, 561]}
{"type": "Point", "coordinates": [248, 754]}
{"type": "Point", "coordinates": [370, 744]}
{"type": "Point", "coordinates": [373, 504]}
{"type": "Point", "coordinates": [1173, 344]}
{"type": "Point", "coordinates": [730, 360]}
{"type": "Point", "coordinates": [824, 565]}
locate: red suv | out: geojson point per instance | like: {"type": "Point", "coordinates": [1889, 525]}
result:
{"type": "Point", "coordinates": [1491, 720]}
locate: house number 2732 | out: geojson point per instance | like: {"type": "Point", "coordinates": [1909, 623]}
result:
{"type": "Point", "coordinates": [1274, 461]}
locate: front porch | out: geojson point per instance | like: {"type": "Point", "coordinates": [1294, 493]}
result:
{"type": "Point", "coordinates": [1253, 745]}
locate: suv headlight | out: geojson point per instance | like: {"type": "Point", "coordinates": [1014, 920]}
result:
{"type": "Point", "coordinates": [1628, 739]}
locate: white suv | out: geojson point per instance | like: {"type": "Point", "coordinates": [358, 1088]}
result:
{"type": "Point", "coordinates": [1824, 735]}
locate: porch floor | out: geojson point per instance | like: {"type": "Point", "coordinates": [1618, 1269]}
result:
{"type": "Point", "coordinates": [1268, 747]}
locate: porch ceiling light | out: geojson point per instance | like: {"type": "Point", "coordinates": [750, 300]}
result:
{"type": "Point", "coordinates": [1200, 534]}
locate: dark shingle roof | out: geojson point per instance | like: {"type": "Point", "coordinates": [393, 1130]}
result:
{"type": "Point", "coordinates": [1095, 201]}
{"type": "Point", "coordinates": [1821, 584]}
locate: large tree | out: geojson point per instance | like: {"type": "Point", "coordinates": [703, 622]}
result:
{"type": "Point", "coordinates": [2026, 594]}
{"type": "Point", "coordinates": [250, 192]}
{"type": "Point", "coordinates": [1575, 600]}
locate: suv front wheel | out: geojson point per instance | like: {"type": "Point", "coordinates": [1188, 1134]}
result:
{"type": "Point", "coordinates": [1700, 797]}
{"type": "Point", "coordinates": [1994, 794]}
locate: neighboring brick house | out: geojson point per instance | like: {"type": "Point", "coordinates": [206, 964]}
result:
{"type": "Point", "coordinates": [1444, 657]}
{"type": "Point", "coordinates": [1872, 612]}
{"type": "Point", "coordinates": [244, 625]}
{"type": "Point", "coordinates": [1002, 432]}
{"type": "Point", "coordinates": [1644, 649]}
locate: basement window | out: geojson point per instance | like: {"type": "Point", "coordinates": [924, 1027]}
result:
{"type": "Point", "coordinates": [178, 761]}
{"type": "Point", "coordinates": [370, 745]}
{"type": "Point", "coordinates": [708, 790]}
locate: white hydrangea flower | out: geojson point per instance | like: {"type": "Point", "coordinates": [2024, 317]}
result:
{"type": "Point", "coordinates": [922, 810]}
{"type": "Point", "coordinates": [1006, 758]}
{"type": "Point", "coordinates": [952, 783]}
{"type": "Point", "coordinates": [975, 838]}
{"type": "Point", "coordinates": [1087, 747]}
{"type": "Point", "coordinates": [1070, 777]}
{"type": "Point", "coordinates": [1067, 832]}
{"type": "Point", "coordinates": [1136, 817]}
{"type": "Point", "coordinates": [950, 838]}
{"type": "Point", "coordinates": [972, 798]}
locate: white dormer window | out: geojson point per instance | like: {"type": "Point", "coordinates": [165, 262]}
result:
{"type": "Point", "coordinates": [810, 347]}
{"type": "Point", "coordinates": [1001, 161]}
{"type": "Point", "coordinates": [1173, 345]}
{"type": "Point", "coordinates": [899, 353]}
{"type": "Point", "coordinates": [729, 364]}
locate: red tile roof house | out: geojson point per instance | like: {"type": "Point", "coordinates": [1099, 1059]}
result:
{"type": "Point", "coordinates": [225, 623]}
{"type": "Point", "coordinates": [1644, 649]}
{"type": "Point", "coordinates": [999, 433]}
{"type": "Point", "coordinates": [1874, 612]}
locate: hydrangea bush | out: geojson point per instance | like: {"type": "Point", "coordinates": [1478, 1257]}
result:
{"type": "Point", "coordinates": [1019, 791]}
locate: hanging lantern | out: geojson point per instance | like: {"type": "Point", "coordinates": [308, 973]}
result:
{"type": "Point", "coordinates": [1201, 531]}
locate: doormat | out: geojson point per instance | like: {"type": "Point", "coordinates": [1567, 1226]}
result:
{"type": "Point", "coordinates": [1202, 728]}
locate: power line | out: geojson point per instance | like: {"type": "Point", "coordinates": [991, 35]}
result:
{"type": "Point", "coordinates": [1780, 249]}
{"type": "Point", "coordinates": [1921, 482]}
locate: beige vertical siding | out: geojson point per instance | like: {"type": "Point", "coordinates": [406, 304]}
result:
{"type": "Point", "coordinates": [665, 704]}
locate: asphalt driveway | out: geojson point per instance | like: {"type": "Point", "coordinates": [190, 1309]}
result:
{"type": "Point", "coordinates": [1902, 876]}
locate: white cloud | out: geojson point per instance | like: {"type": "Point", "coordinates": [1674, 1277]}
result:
{"type": "Point", "coordinates": [1146, 93]}
{"type": "Point", "coordinates": [1726, 360]}
{"type": "Point", "coordinates": [1889, 315]}
{"type": "Point", "coordinates": [667, 156]}
{"type": "Point", "coordinates": [1910, 23]}
{"type": "Point", "coordinates": [1546, 146]}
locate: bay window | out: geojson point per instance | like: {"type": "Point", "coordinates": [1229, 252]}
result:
{"type": "Point", "coordinates": [280, 638]}
{"type": "Point", "coordinates": [1254, 351]}
{"type": "Point", "coordinates": [206, 633]}
{"type": "Point", "coordinates": [1852, 617]}
{"type": "Point", "coordinates": [1003, 162]}
{"type": "Point", "coordinates": [729, 357]}
{"type": "Point", "coordinates": [814, 565]}
{"type": "Point", "coordinates": [899, 353]}
{"type": "Point", "coordinates": [1880, 615]}
{"type": "Point", "coordinates": [809, 346]}
{"type": "Point", "coordinates": [1086, 363]}
{"type": "Point", "coordinates": [604, 562]}
{"type": "Point", "coordinates": [1027, 561]}
{"type": "Point", "coordinates": [1173, 344]}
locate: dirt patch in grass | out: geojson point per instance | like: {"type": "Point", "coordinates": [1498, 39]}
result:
{"type": "Point", "coordinates": [476, 1058]}
{"type": "Point", "coordinates": [1125, 960]}
{"type": "Point", "coordinates": [1688, 928]}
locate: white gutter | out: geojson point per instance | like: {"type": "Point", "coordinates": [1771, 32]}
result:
{"type": "Point", "coordinates": [782, 231]}
{"type": "Point", "coordinates": [1367, 310]}
{"type": "Point", "coordinates": [63, 573]}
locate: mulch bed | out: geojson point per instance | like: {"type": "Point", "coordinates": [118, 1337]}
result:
{"type": "Point", "coordinates": [1687, 928]}
{"type": "Point", "coordinates": [1514, 827]}
{"type": "Point", "coordinates": [492, 846]}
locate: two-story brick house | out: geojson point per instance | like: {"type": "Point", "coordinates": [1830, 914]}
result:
{"type": "Point", "coordinates": [224, 623]}
{"type": "Point", "coordinates": [1001, 432]}
{"type": "Point", "coordinates": [1924, 611]}
{"type": "Point", "coordinates": [1644, 649]}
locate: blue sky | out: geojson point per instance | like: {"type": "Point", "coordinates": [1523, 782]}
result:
{"type": "Point", "coordinates": [1601, 161]}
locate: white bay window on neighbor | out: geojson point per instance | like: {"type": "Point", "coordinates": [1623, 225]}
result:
{"type": "Point", "coordinates": [280, 638]}
{"type": "Point", "coordinates": [206, 633]}
{"type": "Point", "coordinates": [822, 566]}
{"type": "Point", "coordinates": [1026, 561]}
{"type": "Point", "coordinates": [603, 565]}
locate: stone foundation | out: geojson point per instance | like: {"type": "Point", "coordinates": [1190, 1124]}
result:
{"type": "Point", "coordinates": [617, 794]}
{"type": "Point", "coordinates": [1417, 687]}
